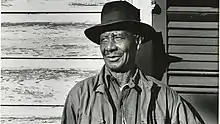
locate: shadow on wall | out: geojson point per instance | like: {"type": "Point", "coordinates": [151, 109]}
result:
{"type": "Point", "coordinates": [152, 59]}
{"type": "Point", "coordinates": [206, 105]}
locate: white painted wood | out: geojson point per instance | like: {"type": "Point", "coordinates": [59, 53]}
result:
{"type": "Point", "coordinates": [31, 111]}
{"type": "Point", "coordinates": [145, 7]}
{"type": "Point", "coordinates": [52, 5]}
{"type": "Point", "coordinates": [89, 64]}
{"type": "Point", "coordinates": [88, 18]}
{"type": "Point", "coordinates": [60, 39]}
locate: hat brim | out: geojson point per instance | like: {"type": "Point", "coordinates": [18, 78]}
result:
{"type": "Point", "coordinates": [136, 27]}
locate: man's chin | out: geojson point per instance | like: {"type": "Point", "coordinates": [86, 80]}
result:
{"type": "Point", "coordinates": [115, 68]}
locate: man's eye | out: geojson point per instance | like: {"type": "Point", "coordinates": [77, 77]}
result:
{"type": "Point", "coordinates": [103, 40]}
{"type": "Point", "coordinates": [119, 37]}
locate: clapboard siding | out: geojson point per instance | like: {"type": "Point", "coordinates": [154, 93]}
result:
{"type": "Point", "coordinates": [197, 57]}
{"type": "Point", "coordinates": [193, 41]}
{"type": "Point", "coordinates": [193, 3]}
{"type": "Point", "coordinates": [31, 19]}
{"type": "Point", "coordinates": [52, 63]}
{"type": "Point", "coordinates": [47, 40]}
{"type": "Point", "coordinates": [193, 49]}
{"type": "Point", "coordinates": [32, 111]}
{"type": "Point", "coordinates": [34, 115]}
{"type": "Point", "coordinates": [191, 9]}
{"type": "Point", "coordinates": [30, 115]}
{"type": "Point", "coordinates": [193, 81]}
{"type": "Point", "coordinates": [192, 34]}
{"type": "Point", "coordinates": [45, 53]}
{"type": "Point", "coordinates": [193, 25]}
{"type": "Point", "coordinates": [37, 82]}
{"type": "Point", "coordinates": [193, 73]}
{"type": "Point", "coordinates": [32, 120]}
{"type": "Point", "coordinates": [195, 90]}
{"type": "Point", "coordinates": [203, 66]}
{"type": "Point", "coordinates": [194, 17]}
{"type": "Point", "coordinates": [51, 5]}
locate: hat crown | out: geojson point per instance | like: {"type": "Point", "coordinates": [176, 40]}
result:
{"type": "Point", "coordinates": [119, 11]}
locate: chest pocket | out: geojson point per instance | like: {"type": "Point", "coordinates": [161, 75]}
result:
{"type": "Point", "coordinates": [90, 120]}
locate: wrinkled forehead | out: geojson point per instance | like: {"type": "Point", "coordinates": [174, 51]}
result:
{"type": "Point", "coordinates": [116, 32]}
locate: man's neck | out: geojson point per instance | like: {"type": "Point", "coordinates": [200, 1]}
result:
{"type": "Point", "coordinates": [123, 77]}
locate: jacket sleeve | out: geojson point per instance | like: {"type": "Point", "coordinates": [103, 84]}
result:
{"type": "Point", "coordinates": [69, 115]}
{"type": "Point", "coordinates": [184, 113]}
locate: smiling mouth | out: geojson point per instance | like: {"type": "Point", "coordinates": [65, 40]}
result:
{"type": "Point", "coordinates": [113, 58]}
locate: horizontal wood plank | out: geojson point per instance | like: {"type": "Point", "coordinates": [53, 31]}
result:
{"type": "Point", "coordinates": [209, 66]}
{"type": "Point", "coordinates": [193, 41]}
{"type": "Point", "coordinates": [43, 81]}
{"type": "Point", "coordinates": [52, 5]}
{"type": "Point", "coordinates": [193, 25]}
{"type": "Point", "coordinates": [12, 114]}
{"type": "Point", "coordinates": [199, 3]}
{"type": "Point", "coordinates": [191, 9]}
{"type": "Point", "coordinates": [48, 40]}
{"type": "Point", "coordinates": [193, 73]}
{"type": "Point", "coordinates": [193, 81]}
{"type": "Point", "coordinates": [52, 64]}
{"type": "Point", "coordinates": [31, 112]}
{"type": "Point", "coordinates": [196, 90]}
{"type": "Point", "coordinates": [32, 120]}
{"type": "Point", "coordinates": [88, 18]}
{"type": "Point", "coordinates": [193, 33]}
{"type": "Point", "coordinates": [197, 57]}
{"type": "Point", "coordinates": [193, 49]}
{"type": "Point", "coordinates": [192, 16]}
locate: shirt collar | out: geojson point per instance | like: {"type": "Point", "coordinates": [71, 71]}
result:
{"type": "Point", "coordinates": [104, 78]}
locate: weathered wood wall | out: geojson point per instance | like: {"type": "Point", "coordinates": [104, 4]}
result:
{"type": "Point", "coordinates": [192, 34]}
{"type": "Point", "coordinates": [44, 53]}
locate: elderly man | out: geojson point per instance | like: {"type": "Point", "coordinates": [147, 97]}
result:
{"type": "Point", "coordinates": [121, 93]}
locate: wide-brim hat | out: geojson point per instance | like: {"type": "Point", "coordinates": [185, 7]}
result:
{"type": "Point", "coordinates": [119, 15]}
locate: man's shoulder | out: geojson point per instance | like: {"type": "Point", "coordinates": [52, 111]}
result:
{"type": "Point", "coordinates": [84, 85]}
{"type": "Point", "coordinates": [164, 88]}
{"type": "Point", "coordinates": [164, 92]}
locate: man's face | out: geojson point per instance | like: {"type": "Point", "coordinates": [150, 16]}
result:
{"type": "Point", "coordinates": [118, 49]}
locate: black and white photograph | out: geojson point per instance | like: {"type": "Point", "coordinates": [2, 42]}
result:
{"type": "Point", "coordinates": [109, 62]}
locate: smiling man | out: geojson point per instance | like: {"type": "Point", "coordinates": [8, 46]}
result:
{"type": "Point", "coordinates": [121, 93]}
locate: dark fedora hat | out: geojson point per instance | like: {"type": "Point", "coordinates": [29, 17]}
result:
{"type": "Point", "coordinates": [119, 15]}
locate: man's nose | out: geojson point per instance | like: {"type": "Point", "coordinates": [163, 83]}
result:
{"type": "Point", "coordinates": [111, 45]}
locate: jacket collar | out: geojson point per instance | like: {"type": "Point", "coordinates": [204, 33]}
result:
{"type": "Point", "coordinates": [139, 81]}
